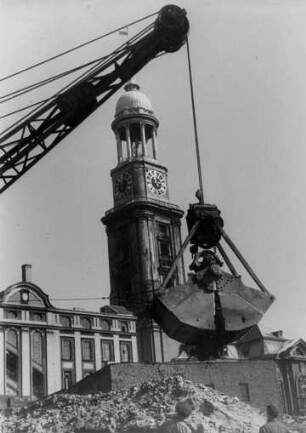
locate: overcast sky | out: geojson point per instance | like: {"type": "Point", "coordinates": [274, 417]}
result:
{"type": "Point", "coordinates": [249, 68]}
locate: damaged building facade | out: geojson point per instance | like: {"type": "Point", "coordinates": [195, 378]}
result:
{"type": "Point", "coordinates": [46, 349]}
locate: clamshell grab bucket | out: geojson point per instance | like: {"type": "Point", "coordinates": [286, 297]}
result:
{"type": "Point", "coordinates": [188, 313]}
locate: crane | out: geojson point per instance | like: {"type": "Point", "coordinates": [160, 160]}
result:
{"type": "Point", "coordinates": [26, 142]}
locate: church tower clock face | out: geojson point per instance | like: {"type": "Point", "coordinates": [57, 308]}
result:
{"type": "Point", "coordinates": [156, 182]}
{"type": "Point", "coordinates": [122, 185]}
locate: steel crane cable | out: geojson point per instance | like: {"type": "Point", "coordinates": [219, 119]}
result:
{"type": "Point", "coordinates": [47, 81]}
{"type": "Point", "coordinates": [34, 86]}
{"type": "Point", "coordinates": [25, 108]}
{"type": "Point", "coordinates": [195, 125]}
{"type": "Point", "coordinates": [119, 52]}
{"type": "Point", "coordinates": [38, 84]}
{"type": "Point", "coordinates": [77, 47]}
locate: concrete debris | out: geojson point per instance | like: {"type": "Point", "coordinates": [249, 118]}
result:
{"type": "Point", "coordinates": [147, 408]}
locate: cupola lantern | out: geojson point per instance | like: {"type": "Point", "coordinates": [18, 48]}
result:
{"type": "Point", "coordinates": [135, 125]}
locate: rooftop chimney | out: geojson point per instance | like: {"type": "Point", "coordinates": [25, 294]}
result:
{"type": "Point", "coordinates": [278, 334]}
{"type": "Point", "coordinates": [26, 273]}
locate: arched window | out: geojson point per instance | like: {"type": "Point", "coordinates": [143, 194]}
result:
{"type": "Point", "coordinates": [67, 349]}
{"type": "Point", "coordinates": [12, 362]}
{"type": "Point", "coordinates": [38, 365]}
{"type": "Point", "coordinates": [126, 352]}
{"type": "Point", "coordinates": [12, 339]}
{"type": "Point", "coordinates": [107, 351]}
{"type": "Point", "coordinates": [124, 326]}
{"type": "Point", "coordinates": [105, 324]}
{"type": "Point", "coordinates": [85, 322]}
{"type": "Point", "coordinates": [66, 321]}
{"type": "Point", "coordinates": [37, 348]}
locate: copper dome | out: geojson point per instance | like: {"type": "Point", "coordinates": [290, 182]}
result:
{"type": "Point", "coordinates": [133, 101]}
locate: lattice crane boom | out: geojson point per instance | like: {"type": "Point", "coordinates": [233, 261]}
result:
{"type": "Point", "coordinates": [34, 136]}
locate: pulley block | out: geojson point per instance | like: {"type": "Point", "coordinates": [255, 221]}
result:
{"type": "Point", "coordinates": [208, 233]}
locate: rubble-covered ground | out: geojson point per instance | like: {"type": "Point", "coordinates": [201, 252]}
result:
{"type": "Point", "coordinates": [147, 409]}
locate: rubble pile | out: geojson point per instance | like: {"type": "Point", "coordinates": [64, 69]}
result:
{"type": "Point", "coordinates": [146, 408]}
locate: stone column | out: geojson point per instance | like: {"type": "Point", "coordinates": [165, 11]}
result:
{"type": "Point", "coordinates": [154, 143]}
{"type": "Point", "coordinates": [144, 220]}
{"type": "Point", "coordinates": [98, 358]}
{"type": "Point", "coordinates": [78, 357]}
{"type": "Point", "coordinates": [54, 371]}
{"type": "Point", "coordinates": [134, 349]}
{"type": "Point", "coordinates": [177, 242]}
{"type": "Point", "coordinates": [128, 142]}
{"type": "Point", "coordinates": [119, 147]}
{"type": "Point", "coordinates": [2, 370]}
{"type": "Point", "coordinates": [116, 348]}
{"type": "Point", "coordinates": [25, 362]}
{"type": "Point", "coordinates": [143, 139]}
{"type": "Point", "coordinates": [158, 343]}
{"type": "Point", "coordinates": [145, 339]}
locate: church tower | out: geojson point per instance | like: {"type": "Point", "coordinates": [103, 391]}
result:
{"type": "Point", "coordinates": [143, 227]}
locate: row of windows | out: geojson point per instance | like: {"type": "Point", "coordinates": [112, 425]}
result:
{"type": "Point", "coordinates": [67, 348]}
{"type": "Point", "coordinates": [87, 323]}
{"type": "Point", "coordinates": [67, 321]}
{"type": "Point", "coordinates": [33, 315]}
{"type": "Point", "coordinates": [88, 350]}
